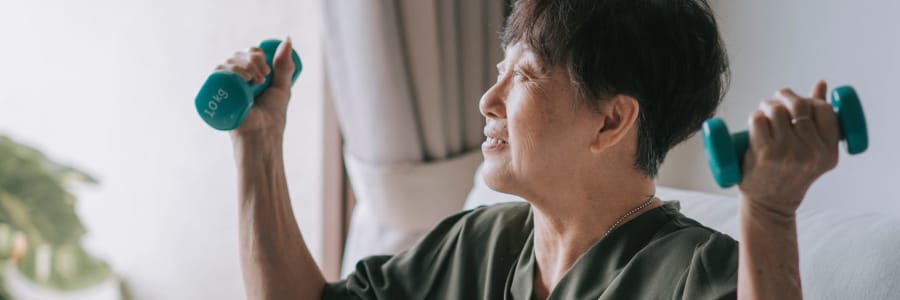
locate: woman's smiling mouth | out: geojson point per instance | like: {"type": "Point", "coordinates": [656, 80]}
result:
{"type": "Point", "coordinates": [493, 144]}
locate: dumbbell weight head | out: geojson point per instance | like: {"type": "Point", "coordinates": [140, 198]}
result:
{"type": "Point", "coordinates": [225, 98]}
{"type": "Point", "coordinates": [725, 151]}
{"type": "Point", "coordinates": [852, 120]}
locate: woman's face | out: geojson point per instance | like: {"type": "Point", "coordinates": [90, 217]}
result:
{"type": "Point", "coordinates": [538, 135]}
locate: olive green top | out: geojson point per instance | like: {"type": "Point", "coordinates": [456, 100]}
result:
{"type": "Point", "coordinates": [487, 253]}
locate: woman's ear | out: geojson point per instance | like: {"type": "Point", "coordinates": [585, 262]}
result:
{"type": "Point", "coordinates": [617, 116]}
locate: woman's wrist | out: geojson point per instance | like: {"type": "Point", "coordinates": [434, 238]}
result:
{"type": "Point", "coordinates": [767, 210]}
{"type": "Point", "coordinates": [257, 141]}
{"type": "Point", "coordinates": [769, 264]}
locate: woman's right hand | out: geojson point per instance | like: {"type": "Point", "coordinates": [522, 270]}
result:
{"type": "Point", "coordinates": [269, 111]}
{"type": "Point", "coordinates": [793, 141]}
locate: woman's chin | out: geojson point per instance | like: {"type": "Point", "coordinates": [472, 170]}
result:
{"type": "Point", "coordinates": [495, 177]}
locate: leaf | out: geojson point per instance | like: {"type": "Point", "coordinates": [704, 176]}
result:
{"type": "Point", "coordinates": [34, 199]}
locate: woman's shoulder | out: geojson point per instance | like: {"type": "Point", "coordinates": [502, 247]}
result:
{"type": "Point", "coordinates": [706, 258]}
{"type": "Point", "coordinates": [684, 235]}
{"type": "Point", "coordinates": [685, 227]}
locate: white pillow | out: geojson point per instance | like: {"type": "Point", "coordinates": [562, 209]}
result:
{"type": "Point", "coordinates": [716, 211]}
{"type": "Point", "coordinates": [481, 194]}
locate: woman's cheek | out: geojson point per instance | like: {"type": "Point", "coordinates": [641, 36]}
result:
{"type": "Point", "coordinates": [524, 143]}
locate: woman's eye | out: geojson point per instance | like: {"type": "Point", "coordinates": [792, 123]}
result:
{"type": "Point", "coordinates": [517, 74]}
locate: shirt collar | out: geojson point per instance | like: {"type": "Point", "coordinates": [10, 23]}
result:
{"type": "Point", "coordinates": [598, 266]}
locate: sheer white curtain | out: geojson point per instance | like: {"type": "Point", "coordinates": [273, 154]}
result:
{"type": "Point", "coordinates": [407, 76]}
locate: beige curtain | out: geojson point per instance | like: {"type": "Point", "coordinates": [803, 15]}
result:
{"type": "Point", "coordinates": [407, 76]}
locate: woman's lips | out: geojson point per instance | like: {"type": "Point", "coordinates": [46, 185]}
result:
{"type": "Point", "coordinates": [493, 144]}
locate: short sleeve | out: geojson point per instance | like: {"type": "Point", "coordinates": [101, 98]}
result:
{"type": "Point", "coordinates": [461, 258]}
{"type": "Point", "coordinates": [713, 270]}
{"type": "Point", "coordinates": [368, 281]}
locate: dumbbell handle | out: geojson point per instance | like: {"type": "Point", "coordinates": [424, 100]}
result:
{"type": "Point", "coordinates": [741, 142]}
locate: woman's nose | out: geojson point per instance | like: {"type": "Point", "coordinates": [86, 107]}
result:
{"type": "Point", "coordinates": [492, 104]}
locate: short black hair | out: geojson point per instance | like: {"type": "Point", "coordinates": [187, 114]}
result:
{"type": "Point", "coordinates": [667, 54]}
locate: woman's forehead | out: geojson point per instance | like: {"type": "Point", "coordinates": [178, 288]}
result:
{"type": "Point", "coordinates": [518, 52]}
{"type": "Point", "coordinates": [521, 54]}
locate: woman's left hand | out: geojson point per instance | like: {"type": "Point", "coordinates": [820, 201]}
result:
{"type": "Point", "coordinates": [793, 141]}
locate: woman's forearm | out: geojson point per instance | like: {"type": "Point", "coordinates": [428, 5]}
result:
{"type": "Point", "coordinates": [769, 264]}
{"type": "Point", "coordinates": [275, 261]}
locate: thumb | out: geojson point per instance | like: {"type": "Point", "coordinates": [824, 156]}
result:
{"type": "Point", "coordinates": [283, 65]}
{"type": "Point", "coordinates": [819, 90]}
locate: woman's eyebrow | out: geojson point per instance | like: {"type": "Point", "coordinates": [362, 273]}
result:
{"type": "Point", "coordinates": [532, 69]}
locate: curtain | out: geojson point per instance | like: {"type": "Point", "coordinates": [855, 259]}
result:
{"type": "Point", "coordinates": [407, 76]}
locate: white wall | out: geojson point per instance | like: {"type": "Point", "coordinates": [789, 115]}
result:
{"type": "Point", "coordinates": [108, 86]}
{"type": "Point", "coordinates": [776, 43]}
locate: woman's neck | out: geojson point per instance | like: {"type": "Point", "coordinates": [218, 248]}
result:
{"type": "Point", "coordinates": [566, 226]}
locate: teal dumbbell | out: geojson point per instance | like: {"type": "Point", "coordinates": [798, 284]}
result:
{"type": "Point", "coordinates": [226, 98]}
{"type": "Point", "coordinates": [725, 151]}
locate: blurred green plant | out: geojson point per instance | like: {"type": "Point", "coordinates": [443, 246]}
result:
{"type": "Point", "coordinates": [35, 204]}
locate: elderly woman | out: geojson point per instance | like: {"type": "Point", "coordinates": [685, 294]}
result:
{"type": "Point", "coordinates": [591, 96]}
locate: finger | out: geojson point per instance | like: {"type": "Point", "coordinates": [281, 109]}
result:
{"type": "Point", "coordinates": [796, 105]}
{"type": "Point", "coordinates": [242, 71]}
{"type": "Point", "coordinates": [258, 61]}
{"type": "Point", "coordinates": [779, 120]}
{"type": "Point", "coordinates": [802, 116]}
{"type": "Point", "coordinates": [283, 65]}
{"type": "Point", "coordinates": [265, 65]}
{"type": "Point", "coordinates": [240, 62]}
{"type": "Point", "coordinates": [760, 130]}
{"type": "Point", "coordinates": [827, 124]}
{"type": "Point", "coordinates": [258, 58]}
{"type": "Point", "coordinates": [820, 90]}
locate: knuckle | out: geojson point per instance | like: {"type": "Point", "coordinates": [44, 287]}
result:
{"type": "Point", "coordinates": [260, 59]}
{"type": "Point", "coordinates": [822, 108]}
{"type": "Point", "coordinates": [821, 105]}
{"type": "Point", "coordinates": [767, 104]}
{"type": "Point", "coordinates": [764, 156]}
{"type": "Point", "coordinates": [813, 157]}
{"type": "Point", "coordinates": [235, 61]}
{"type": "Point", "coordinates": [757, 118]}
{"type": "Point", "coordinates": [811, 170]}
{"type": "Point", "coordinates": [785, 92]}
{"type": "Point", "coordinates": [767, 155]}
{"type": "Point", "coordinates": [798, 105]}
{"type": "Point", "coordinates": [779, 109]}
